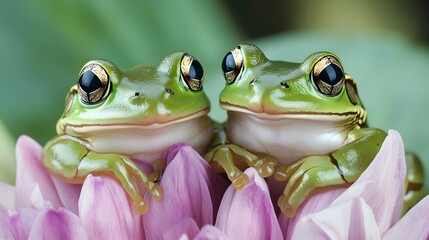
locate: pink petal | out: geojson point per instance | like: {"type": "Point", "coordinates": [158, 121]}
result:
{"type": "Point", "coordinates": [37, 200]}
{"type": "Point", "coordinates": [209, 232]}
{"type": "Point", "coordinates": [30, 171]}
{"type": "Point", "coordinates": [19, 222]}
{"type": "Point", "coordinates": [248, 213]}
{"type": "Point", "coordinates": [68, 194]}
{"type": "Point", "coordinates": [350, 220]}
{"type": "Point", "coordinates": [414, 225]}
{"type": "Point", "coordinates": [386, 174]}
{"type": "Point", "coordinates": [188, 227]}
{"type": "Point", "coordinates": [314, 204]}
{"type": "Point", "coordinates": [106, 211]}
{"type": "Point", "coordinates": [5, 231]}
{"type": "Point", "coordinates": [191, 190]}
{"type": "Point", "coordinates": [7, 199]}
{"type": "Point", "coordinates": [57, 224]}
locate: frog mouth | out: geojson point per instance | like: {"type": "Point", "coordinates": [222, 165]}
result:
{"type": "Point", "coordinates": [149, 125]}
{"type": "Point", "coordinates": [307, 115]}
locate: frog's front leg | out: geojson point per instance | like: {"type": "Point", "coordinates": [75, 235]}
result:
{"type": "Point", "coordinates": [69, 159]}
{"type": "Point", "coordinates": [341, 167]}
{"type": "Point", "coordinates": [233, 159]}
{"type": "Point", "coordinates": [414, 182]}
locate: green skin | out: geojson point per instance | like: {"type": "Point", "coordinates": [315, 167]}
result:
{"type": "Point", "coordinates": [316, 140]}
{"type": "Point", "coordinates": [147, 110]}
{"type": "Point", "coordinates": [415, 190]}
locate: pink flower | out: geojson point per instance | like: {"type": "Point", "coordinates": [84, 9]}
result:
{"type": "Point", "coordinates": [192, 194]}
{"type": "Point", "coordinates": [43, 207]}
{"type": "Point", "coordinates": [196, 206]}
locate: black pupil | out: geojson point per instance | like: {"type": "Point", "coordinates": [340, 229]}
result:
{"type": "Point", "coordinates": [89, 82]}
{"type": "Point", "coordinates": [332, 74]}
{"type": "Point", "coordinates": [196, 70]}
{"type": "Point", "coordinates": [228, 63]}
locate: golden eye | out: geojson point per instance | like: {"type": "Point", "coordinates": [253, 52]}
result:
{"type": "Point", "coordinates": [328, 76]}
{"type": "Point", "coordinates": [93, 84]}
{"type": "Point", "coordinates": [232, 64]}
{"type": "Point", "coordinates": [192, 73]}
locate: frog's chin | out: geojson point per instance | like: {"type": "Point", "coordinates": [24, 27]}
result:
{"type": "Point", "coordinates": [291, 114]}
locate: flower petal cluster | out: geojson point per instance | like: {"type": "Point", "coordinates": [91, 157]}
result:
{"type": "Point", "coordinates": [199, 204]}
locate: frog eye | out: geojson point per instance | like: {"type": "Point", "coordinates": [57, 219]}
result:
{"type": "Point", "coordinates": [232, 64]}
{"type": "Point", "coordinates": [192, 73]}
{"type": "Point", "coordinates": [93, 84]}
{"type": "Point", "coordinates": [328, 76]}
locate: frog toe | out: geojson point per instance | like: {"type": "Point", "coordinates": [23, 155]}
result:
{"type": "Point", "coordinates": [266, 166]}
{"type": "Point", "coordinates": [295, 193]}
{"type": "Point", "coordinates": [155, 190]}
{"type": "Point", "coordinates": [239, 181]}
{"type": "Point", "coordinates": [285, 207]}
{"type": "Point", "coordinates": [280, 173]}
{"type": "Point", "coordinates": [140, 206]}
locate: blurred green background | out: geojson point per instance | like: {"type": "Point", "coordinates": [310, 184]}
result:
{"type": "Point", "coordinates": [43, 45]}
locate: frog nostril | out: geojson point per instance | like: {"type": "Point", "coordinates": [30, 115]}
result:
{"type": "Point", "coordinates": [284, 85]}
{"type": "Point", "coordinates": [253, 82]}
{"type": "Point", "coordinates": [169, 91]}
{"type": "Point", "coordinates": [136, 95]}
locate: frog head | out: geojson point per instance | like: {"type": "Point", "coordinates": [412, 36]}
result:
{"type": "Point", "coordinates": [317, 88]}
{"type": "Point", "coordinates": [145, 96]}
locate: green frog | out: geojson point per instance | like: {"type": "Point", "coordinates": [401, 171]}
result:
{"type": "Point", "coordinates": [304, 123]}
{"type": "Point", "coordinates": [115, 119]}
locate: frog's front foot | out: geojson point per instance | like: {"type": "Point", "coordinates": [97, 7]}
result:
{"type": "Point", "coordinates": [139, 204]}
{"type": "Point", "coordinates": [153, 188]}
{"type": "Point", "coordinates": [222, 156]}
{"type": "Point", "coordinates": [232, 157]}
{"type": "Point", "coordinates": [125, 170]}
{"type": "Point", "coordinates": [304, 177]}
{"type": "Point", "coordinates": [265, 165]}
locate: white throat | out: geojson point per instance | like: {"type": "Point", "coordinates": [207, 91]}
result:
{"type": "Point", "coordinates": [287, 139]}
{"type": "Point", "coordinates": [148, 143]}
